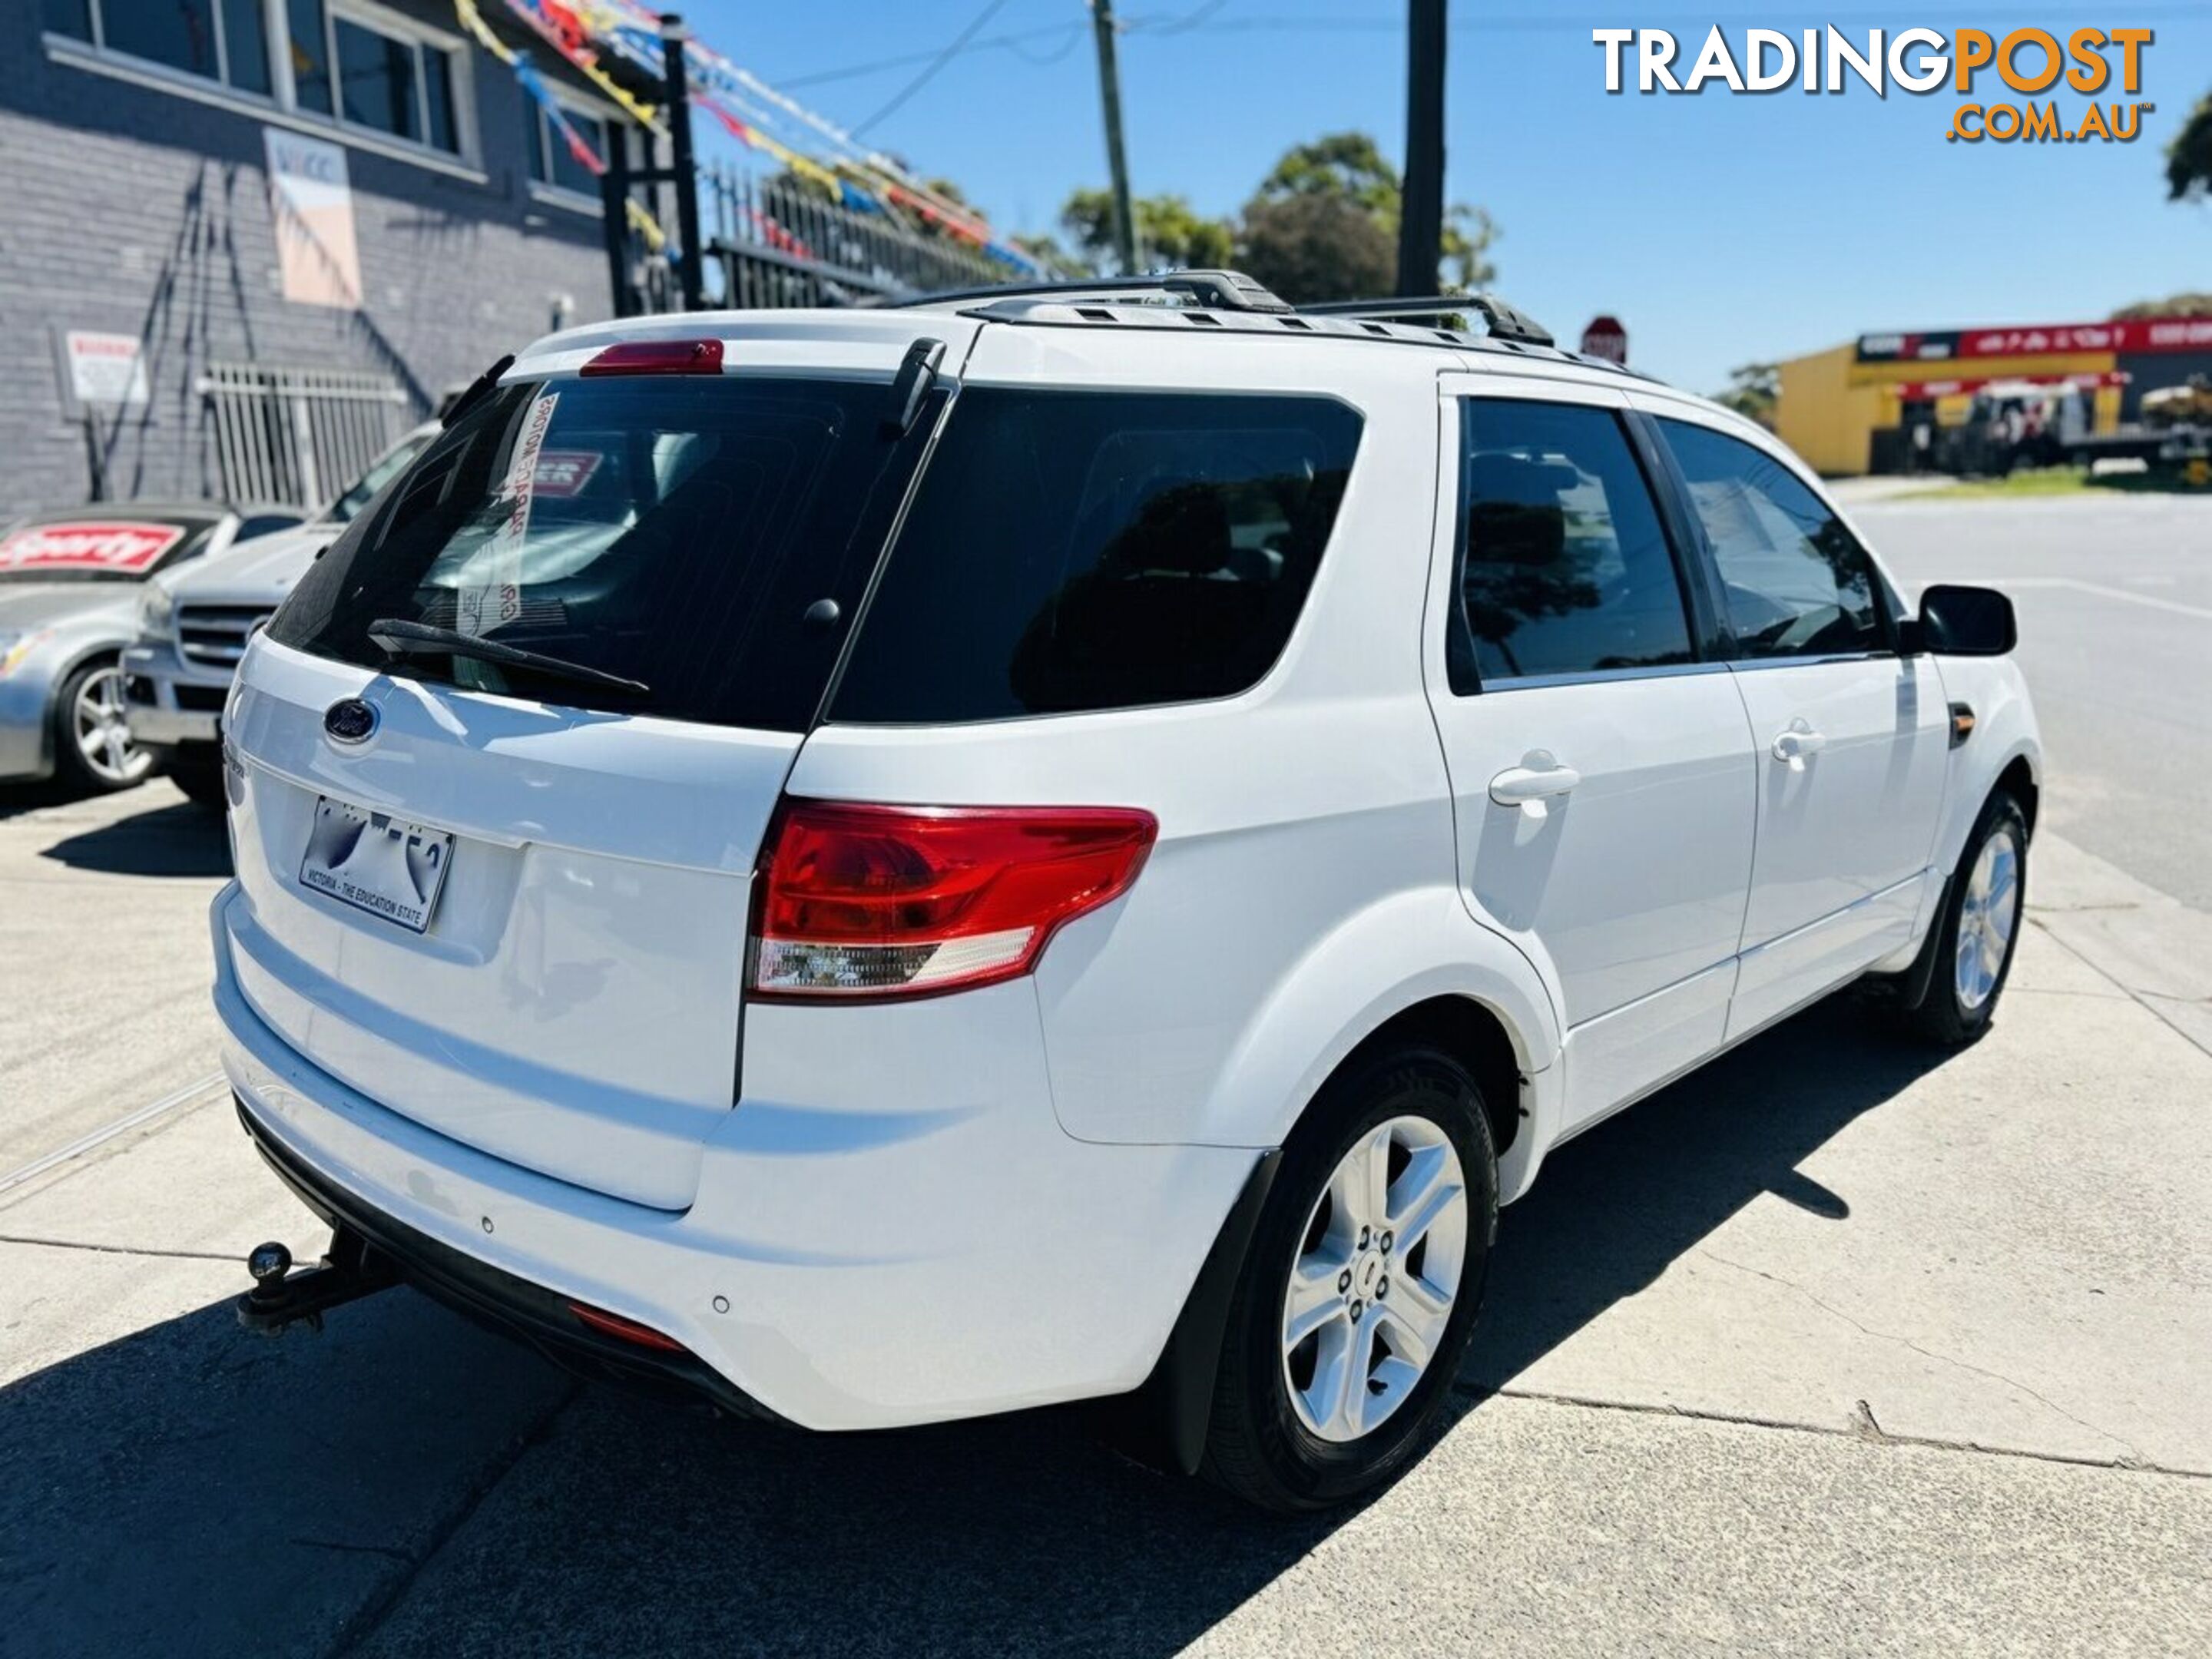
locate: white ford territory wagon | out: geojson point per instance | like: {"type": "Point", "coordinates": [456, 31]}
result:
{"type": "Point", "coordinates": [883, 867]}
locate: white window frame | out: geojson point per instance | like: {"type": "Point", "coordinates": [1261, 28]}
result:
{"type": "Point", "coordinates": [280, 106]}
{"type": "Point", "coordinates": [610, 121]}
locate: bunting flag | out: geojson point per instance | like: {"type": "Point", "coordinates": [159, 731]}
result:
{"type": "Point", "coordinates": [582, 30]}
{"type": "Point", "coordinates": [527, 76]}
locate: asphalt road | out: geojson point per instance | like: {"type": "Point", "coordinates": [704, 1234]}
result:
{"type": "Point", "coordinates": [1839, 1347]}
{"type": "Point", "coordinates": [2114, 593]}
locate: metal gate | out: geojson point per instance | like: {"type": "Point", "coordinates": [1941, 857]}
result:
{"type": "Point", "coordinates": [297, 436]}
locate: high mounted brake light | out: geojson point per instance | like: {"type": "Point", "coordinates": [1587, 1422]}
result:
{"type": "Point", "coordinates": [875, 902]}
{"type": "Point", "coordinates": [658, 357]}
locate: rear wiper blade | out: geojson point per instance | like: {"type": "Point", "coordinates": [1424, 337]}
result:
{"type": "Point", "coordinates": [413, 639]}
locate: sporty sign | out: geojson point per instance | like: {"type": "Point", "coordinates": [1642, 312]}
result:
{"type": "Point", "coordinates": [124, 549]}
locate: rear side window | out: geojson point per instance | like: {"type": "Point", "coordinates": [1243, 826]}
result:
{"type": "Point", "coordinates": [1075, 550]}
{"type": "Point", "coordinates": [1564, 567]}
{"type": "Point", "coordinates": [670, 530]}
{"type": "Point", "coordinates": [1796, 583]}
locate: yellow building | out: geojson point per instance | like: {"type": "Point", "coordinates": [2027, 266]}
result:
{"type": "Point", "coordinates": [1853, 408]}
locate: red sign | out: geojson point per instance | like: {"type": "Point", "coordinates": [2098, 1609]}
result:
{"type": "Point", "coordinates": [2141, 334]}
{"type": "Point", "coordinates": [564, 472]}
{"type": "Point", "coordinates": [1605, 337]}
{"type": "Point", "coordinates": [127, 550]}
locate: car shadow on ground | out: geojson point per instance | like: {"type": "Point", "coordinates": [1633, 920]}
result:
{"type": "Point", "coordinates": [407, 1482]}
{"type": "Point", "coordinates": [176, 839]}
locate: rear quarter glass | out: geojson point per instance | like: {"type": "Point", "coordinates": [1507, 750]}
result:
{"type": "Point", "coordinates": [1073, 550]}
{"type": "Point", "coordinates": [669, 530]}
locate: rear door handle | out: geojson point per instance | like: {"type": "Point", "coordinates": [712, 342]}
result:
{"type": "Point", "coordinates": [1537, 780]}
{"type": "Point", "coordinates": [1792, 746]}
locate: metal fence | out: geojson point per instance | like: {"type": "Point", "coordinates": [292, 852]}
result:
{"type": "Point", "coordinates": [296, 435]}
{"type": "Point", "coordinates": [779, 243]}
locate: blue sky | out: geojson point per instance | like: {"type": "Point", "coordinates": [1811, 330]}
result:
{"type": "Point", "coordinates": [1720, 228]}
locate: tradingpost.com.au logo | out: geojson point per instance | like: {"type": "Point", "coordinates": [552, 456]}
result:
{"type": "Point", "coordinates": [2018, 66]}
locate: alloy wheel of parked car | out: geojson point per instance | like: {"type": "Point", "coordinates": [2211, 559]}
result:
{"type": "Point", "coordinates": [97, 746]}
{"type": "Point", "coordinates": [1338, 1352]}
{"type": "Point", "coordinates": [1977, 930]}
{"type": "Point", "coordinates": [1987, 917]}
{"type": "Point", "coordinates": [1377, 1269]}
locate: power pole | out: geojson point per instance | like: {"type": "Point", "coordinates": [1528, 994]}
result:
{"type": "Point", "coordinates": [1421, 216]}
{"type": "Point", "coordinates": [1117, 164]}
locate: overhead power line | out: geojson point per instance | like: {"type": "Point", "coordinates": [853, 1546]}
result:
{"type": "Point", "coordinates": [952, 49]}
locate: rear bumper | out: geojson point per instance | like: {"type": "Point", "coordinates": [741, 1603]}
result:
{"type": "Point", "coordinates": [513, 1307]}
{"type": "Point", "coordinates": [838, 1268]}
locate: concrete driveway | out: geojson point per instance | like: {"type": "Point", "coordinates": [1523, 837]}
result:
{"type": "Point", "coordinates": [1839, 1347]}
{"type": "Point", "coordinates": [1833, 1347]}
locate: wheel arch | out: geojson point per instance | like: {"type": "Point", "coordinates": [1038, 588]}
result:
{"type": "Point", "coordinates": [1417, 965]}
{"type": "Point", "coordinates": [73, 656]}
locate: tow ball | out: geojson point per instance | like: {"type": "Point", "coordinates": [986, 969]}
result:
{"type": "Point", "coordinates": [350, 1269]}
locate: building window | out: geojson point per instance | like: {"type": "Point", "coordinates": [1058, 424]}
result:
{"type": "Point", "coordinates": [351, 61]}
{"type": "Point", "coordinates": [389, 81]}
{"type": "Point", "coordinates": [220, 40]}
{"type": "Point", "coordinates": [551, 161]}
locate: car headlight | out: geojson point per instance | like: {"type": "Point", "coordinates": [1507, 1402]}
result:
{"type": "Point", "coordinates": [16, 646]}
{"type": "Point", "coordinates": [157, 611]}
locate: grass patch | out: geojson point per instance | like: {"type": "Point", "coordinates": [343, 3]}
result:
{"type": "Point", "coordinates": [2033, 481]}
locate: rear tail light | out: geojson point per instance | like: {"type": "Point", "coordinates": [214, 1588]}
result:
{"type": "Point", "coordinates": [658, 357]}
{"type": "Point", "coordinates": [909, 900]}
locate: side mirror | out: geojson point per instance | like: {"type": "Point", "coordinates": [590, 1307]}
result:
{"type": "Point", "coordinates": [1966, 622]}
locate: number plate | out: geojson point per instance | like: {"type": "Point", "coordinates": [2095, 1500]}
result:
{"type": "Point", "coordinates": [383, 865]}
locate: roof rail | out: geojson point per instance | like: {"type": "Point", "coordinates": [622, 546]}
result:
{"type": "Point", "coordinates": [1505, 322]}
{"type": "Point", "coordinates": [1232, 290]}
{"type": "Point", "coordinates": [1211, 290]}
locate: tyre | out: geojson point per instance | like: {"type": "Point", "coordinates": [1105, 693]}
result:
{"type": "Point", "coordinates": [93, 750]}
{"type": "Point", "coordinates": [1361, 1288]}
{"type": "Point", "coordinates": [199, 775]}
{"type": "Point", "coordinates": [1975, 936]}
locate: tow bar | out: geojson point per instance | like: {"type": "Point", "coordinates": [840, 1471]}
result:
{"type": "Point", "coordinates": [350, 1269]}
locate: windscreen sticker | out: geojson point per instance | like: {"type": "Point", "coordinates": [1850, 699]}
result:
{"type": "Point", "coordinates": [126, 549]}
{"type": "Point", "coordinates": [494, 596]}
{"type": "Point", "coordinates": [564, 472]}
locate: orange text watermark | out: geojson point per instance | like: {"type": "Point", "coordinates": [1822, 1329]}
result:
{"type": "Point", "coordinates": [1970, 63]}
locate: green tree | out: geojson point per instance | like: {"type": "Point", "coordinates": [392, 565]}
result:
{"type": "Point", "coordinates": [1307, 248]}
{"type": "Point", "coordinates": [1169, 231]}
{"type": "Point", "coordinates": [1047, 247]}
{"type": "Point", "coordinates": [2189, 157]}
{"type": "Point", "coordinates": [2174, 305]}
{"type": "Point", "coordinates": [1297, 240]}
{"type": "Point", "coordinates": [1753, 392]}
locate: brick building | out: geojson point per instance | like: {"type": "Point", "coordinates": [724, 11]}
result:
{"type": "Point", "coordinates": [311, 216]}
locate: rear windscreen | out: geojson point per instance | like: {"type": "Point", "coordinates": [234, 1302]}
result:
{"type": "Point", "coordinates": [1072, 550]}
{"type": "Point", "coordinates": [674, 532]}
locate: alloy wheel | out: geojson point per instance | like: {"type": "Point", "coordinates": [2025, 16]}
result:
{"type": "Point", "coordinates": [100, 724]}
{"type": "Point", "coordinates": [1987, 917]}
{"type": "Point", "coordinates": [1378, 1269]}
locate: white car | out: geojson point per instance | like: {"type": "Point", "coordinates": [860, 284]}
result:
{"type": "Point", "coordinates": [193, 623]}
{"type": "Point", "coordinates": [885, 866]}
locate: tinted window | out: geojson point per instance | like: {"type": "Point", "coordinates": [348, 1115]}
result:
{"type": "Point", "coordinates": [1564, 567]}
{"type": "Point", "coordinates": [311, 70]}
{"type": "Point", "coordinates": [1079, 550]}
{"type": "Point", "coordinates": [246, 44]}
{"type": "Point", "coordinates": [672, 531]}
{"type": "Point", "coordinates": [1796, 584]}
{"type": "Point", "coordinates": [376, 79]}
